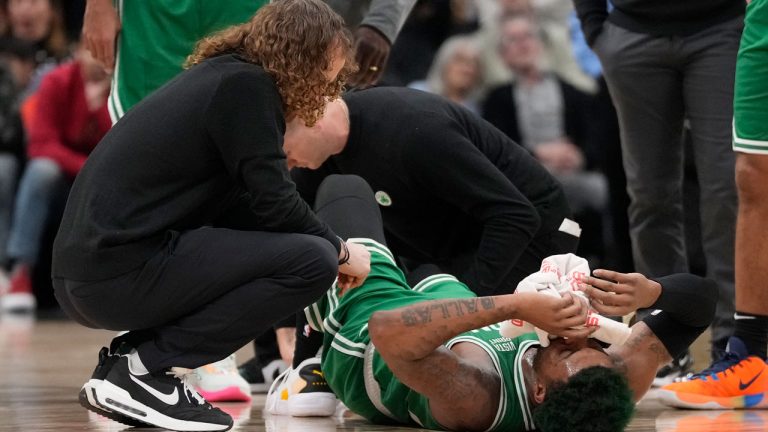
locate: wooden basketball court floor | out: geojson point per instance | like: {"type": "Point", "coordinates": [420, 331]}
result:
{"type": "Point", "coordinates": [43, 363]}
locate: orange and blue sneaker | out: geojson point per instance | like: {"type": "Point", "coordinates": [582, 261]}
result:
{"type": "Point", "coordinates": [736, 381]}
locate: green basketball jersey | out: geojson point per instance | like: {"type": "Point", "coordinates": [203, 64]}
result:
{"type": "Point", "coordinates": [156, 38]}
{"type": "Point", "coordinates": [361, 379]}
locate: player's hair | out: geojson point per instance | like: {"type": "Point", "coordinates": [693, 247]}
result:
{"type": "Point", "coordinates": [292, 40]}
{"type": "Point", "coordinates": [596, 399]}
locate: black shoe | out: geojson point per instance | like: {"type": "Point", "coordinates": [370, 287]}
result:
{"type": "Point", "coordinates": [87, 395]}
{"type": "Point", "coordinates": [674, 371]}
{"type": "Point", "coordinates": [261, 378]}
{"type": "Point", "coordinates": [162, 399]}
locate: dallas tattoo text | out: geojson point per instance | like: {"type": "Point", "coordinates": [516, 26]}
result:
{"type": "Point", "coordinates": [422, 313]}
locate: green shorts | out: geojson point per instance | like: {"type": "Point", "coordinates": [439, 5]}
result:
{"type": "Point", "coordinates": [156, 38]}
{"type": "Point", "coordinates": [750, 105]}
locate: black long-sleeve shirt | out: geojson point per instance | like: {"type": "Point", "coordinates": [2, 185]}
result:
{"type": "Point", "coordinates": [656, 17]}
{"type": "Point", "coordinates": [174, 163]}
{"type": "Point", "coordinates": [448, 182]}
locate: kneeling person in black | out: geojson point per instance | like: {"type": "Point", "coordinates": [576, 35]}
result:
{"type": "Point", "coordinates": [453, 190]}
{"type": "Point", "coordinates": [184, 226]}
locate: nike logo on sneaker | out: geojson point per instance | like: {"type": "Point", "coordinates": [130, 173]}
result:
{"type": "Point", "coordinates": [170, 399]}
{"type": "Point", "coordinates": [742, 317]}
{"type": "Point", "coordinates": [743, 386]}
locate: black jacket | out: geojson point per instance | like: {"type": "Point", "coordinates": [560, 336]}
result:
{"type": "Point", "coordinates": [176, 162]}
{"type": "Point", "coordinates": [450, 185]}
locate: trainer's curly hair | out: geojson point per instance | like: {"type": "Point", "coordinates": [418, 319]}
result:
{"type": "Point", "coordinates": [596, 399]}
{"type": "Point", "coordinates": [292, 40]}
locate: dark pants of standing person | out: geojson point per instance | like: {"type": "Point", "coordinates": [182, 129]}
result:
{"type": "Point", "coordinates": [656, 83]}
{"type": "Point", "coordinates": [208, 292]}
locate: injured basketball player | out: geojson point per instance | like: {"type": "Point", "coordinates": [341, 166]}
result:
{"type": "Point", "coordinates": [432, 356]}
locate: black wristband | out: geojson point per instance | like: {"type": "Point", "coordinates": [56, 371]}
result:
{"type": "Point", "coordinates": [684, 309]}
{"type": "Point", "coordinates": [675, 336]}
{"type": "Point", "coordinates": [345, 258]}
{"type": "Point", "coordinates": [689, 299]}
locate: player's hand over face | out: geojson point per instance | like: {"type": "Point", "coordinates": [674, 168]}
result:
{"type": "Point", "coordinates": [352, 274]}
{"type": "Point", "coordinates": [617, 294]}
{"type": "Point", "coordinates": [562, 316]}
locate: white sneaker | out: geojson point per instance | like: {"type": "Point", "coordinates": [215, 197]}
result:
{"type": "Point", "coordinates": [301, 392]}
{"type": "Point", "coordinates": [218, 382]}
{"type": "Point", "coordinates": [19, 296]}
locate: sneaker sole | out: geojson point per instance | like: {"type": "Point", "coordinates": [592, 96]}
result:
{"type": "Point", "coordinates": [119, 400]}
{"type": "Point", "coordinates": [312, 405]}
{"type": "Point", "coordinates": [87, 399]}
{"type": "Point", "coordinates": [694, 401]}
{"type": "Point", "coordinates": [18, 302]}
{"type": "Point", "coordinates": [228, 394]}
{"type": "Point", "coordinates": [276, 406]}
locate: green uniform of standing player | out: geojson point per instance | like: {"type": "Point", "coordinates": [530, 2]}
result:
{"type": "Point", "coordinates": [750, 123]}
{"type": "Point", "coordinates": [154, 40]}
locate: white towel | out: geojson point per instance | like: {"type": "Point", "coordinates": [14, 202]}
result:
{"type": "Point", "coordinates": [558, 275]}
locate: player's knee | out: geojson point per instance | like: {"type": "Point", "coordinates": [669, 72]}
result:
{"type": "Point", "coordinates": [344, 185]}
{"type": "Point", "coordinates": [321, 261]}
{"type": "Point", "coordinates": [752, 179]}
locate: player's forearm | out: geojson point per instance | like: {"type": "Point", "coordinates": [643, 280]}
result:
{"type": "Point", "coordinates": [413, 332]}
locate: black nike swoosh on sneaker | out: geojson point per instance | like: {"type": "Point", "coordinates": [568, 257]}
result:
{"type": "Point", "coordinates": [743, 386]}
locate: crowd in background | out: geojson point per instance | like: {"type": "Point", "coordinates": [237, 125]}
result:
{"type": "Point", "coordinates": [523, 65]}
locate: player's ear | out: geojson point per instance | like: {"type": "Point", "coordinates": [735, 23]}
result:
{"type": "Point", "coordinates": [539, 392]}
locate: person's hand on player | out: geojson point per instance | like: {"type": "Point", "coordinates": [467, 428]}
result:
{"type": "Point", "coordinates": [371, 53]}
{"type": "Point", "coordinates": [618, 294]}
{"type": "Point", "coordinates": [352, 274]}
{"type": "Point", "coordinates": [561, 316]}
{"type": "Point", "coordinates": [100, 28]}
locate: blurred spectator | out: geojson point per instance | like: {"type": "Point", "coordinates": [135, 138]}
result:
{"type": "Point", "coordinates": [552, 19]}
{"type": "Point", "coordinates": [431, 22]}
{"type": "Point", "coordinates": [455, 73]}
{"type": "Point", "coordinates": [70, 118]}
{"type": "Point", "coordinates": [40, 23]}
{"type": "Point", "coordinates": [16, 65]}
{"type": "Point", "coordinates": [552, 119]}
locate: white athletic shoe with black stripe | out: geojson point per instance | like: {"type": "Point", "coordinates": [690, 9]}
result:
{"type": "Point", "coordinates": [163, 399]}
{"type": "Point", "coordinates": [87, 395]}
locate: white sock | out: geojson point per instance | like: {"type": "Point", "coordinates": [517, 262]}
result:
{"type": "Point", "coordinates": [135, 365]}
